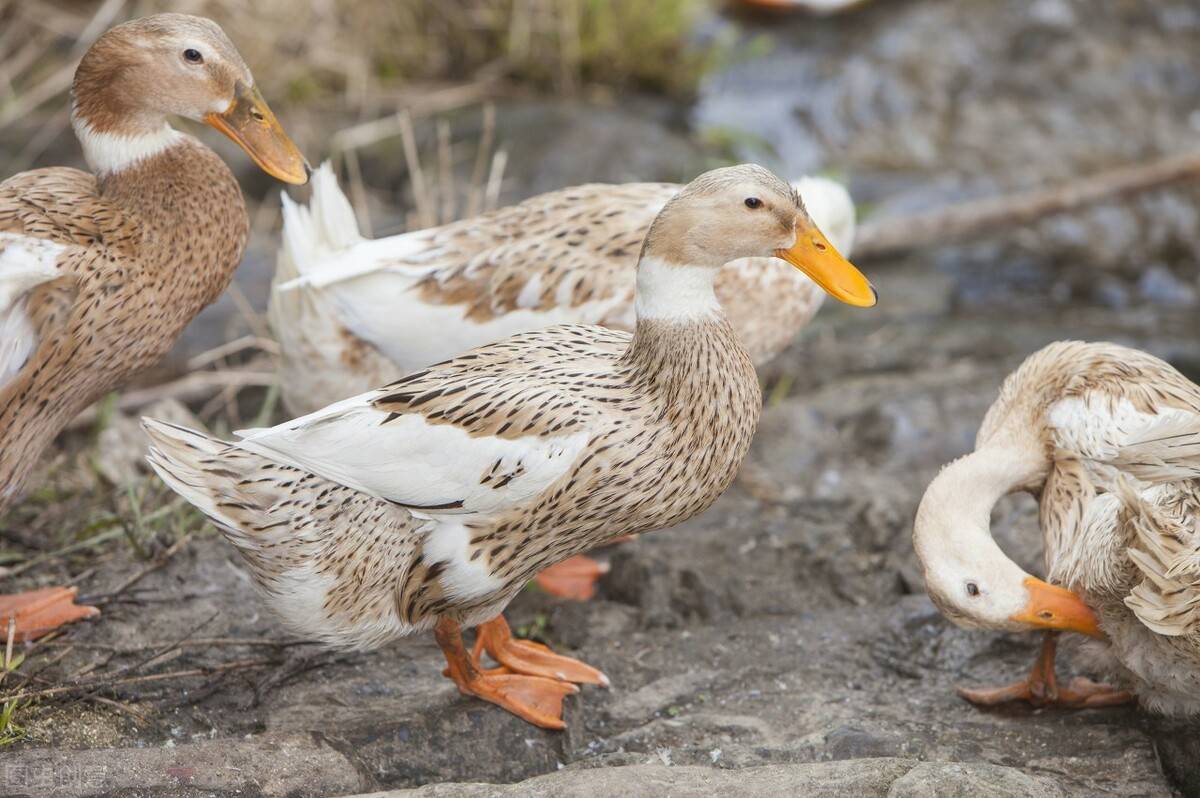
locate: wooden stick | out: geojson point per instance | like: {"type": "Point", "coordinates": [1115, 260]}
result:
{"type": "Point", "coordinates": [894, 234]}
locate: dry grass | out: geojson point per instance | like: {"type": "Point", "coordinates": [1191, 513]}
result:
{"type": "Point", "coordinates": [360, 55]}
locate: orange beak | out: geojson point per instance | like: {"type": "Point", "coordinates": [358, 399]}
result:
{"type": "Point", "coordinates": [249, 121]}
{"type": "Point", "coordinates": [815, 256]}
{"type": "Point", "coordinates": [1056, 608]}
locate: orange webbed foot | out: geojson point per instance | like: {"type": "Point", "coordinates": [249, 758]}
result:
{"type": "Point", "coordinates": [530, 658]}
{"type": "Point", "coordinates": [536, 699]}
{"type": "Point", "coordinates": [37, 613]}
{"type": "Point", "coordinates": [1040, 688]}
{"type": "Point", "coordinates": [532, 698]}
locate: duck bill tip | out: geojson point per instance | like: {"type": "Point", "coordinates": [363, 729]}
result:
{"type": "Point", "coordinates": [1055, 608]}
{"type": "Point", "coordinates": [813, 254]}
{"type": "Point", "coordinates": [251, 124]}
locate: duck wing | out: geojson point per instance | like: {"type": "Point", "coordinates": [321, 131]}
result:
{"type": "Point", "coordinates": [475, 435]}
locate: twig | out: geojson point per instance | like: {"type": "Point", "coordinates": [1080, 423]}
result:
{"type": "Point", "coordinates": [95, 540]}
{"type": "Point", "coordinates": [482, 156]}
{"type": "Point", "coordinates": [445, 172]}
{"type": "Point", "coordinates": [203, 359]}
{"type": "Point", "coordinates": [426, 214]}
{"type": "Point", "coordinates": [194, 642]}
{"type": "Point", "coordinates": [159, 562]}
{"type": "Point", "coordinates": [187, 388]}
{"type": "Point", "coordinates": [421, 105]}
{"type": "Point", "coordinates": [491, 195]}
{"type": "Point", "coordinates": [152, 677]}
{"type": "Point", "coordinates": [967, 218]}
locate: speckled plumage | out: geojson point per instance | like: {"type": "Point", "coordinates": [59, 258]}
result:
{"type": "Point", "coordinates": [145, 250]}
{"type": "Point", "coordinates": [437, 497]}
{"type": "Point", "coordinates": [652, 459]}
{"type": "Point", "coordinates": [99, 273]}
{"type": "Point", "coordinates": [563, 257]}
{"type": "Point", "coordinates": [1110, 439]}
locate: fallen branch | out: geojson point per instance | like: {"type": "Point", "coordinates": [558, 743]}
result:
{"type": "Point", "coordinates": [892, 234]}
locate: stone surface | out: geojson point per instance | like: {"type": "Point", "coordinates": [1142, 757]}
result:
{"type": "Point", "coordinates": [863, 778]}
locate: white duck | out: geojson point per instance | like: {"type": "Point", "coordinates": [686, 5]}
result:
{"type": "Point", "coordinates": [1109, 439]}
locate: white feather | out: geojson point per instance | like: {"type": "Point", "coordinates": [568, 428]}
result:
{"type": "Point", "coordinates": [107, 153]}
{"type": "Point", "coordinates": [407, 460]}
{"type": "Point", "coordinates": [1149, 446]}
{"type": "Point", "coordinates": [675, 293]}
{"type": "Point", "coordinates": [25, 262]}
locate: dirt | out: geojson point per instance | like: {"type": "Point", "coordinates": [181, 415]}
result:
{"type": "Point", "coordinates": [781, 642]}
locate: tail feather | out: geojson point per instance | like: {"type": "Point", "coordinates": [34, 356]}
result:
{"type": "Point", "coordinates": [303, 318]}
{"type": "Point", "coordinates": [323, 228]}
{"type": "Point", "coordinates": [297, 532]}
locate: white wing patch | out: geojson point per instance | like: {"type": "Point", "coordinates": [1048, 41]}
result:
{"type": "Point", "coordinates": [433, 469]}
{"type": "Point", "coordinates": [1153, 447]}
{"type": "Point", "coordinates": [25, 262]}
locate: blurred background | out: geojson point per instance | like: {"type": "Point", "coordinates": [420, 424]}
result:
{"type": "Point", "coordinates": [978, 140]}
{"type": "Point", "coordinates": [435, 110]}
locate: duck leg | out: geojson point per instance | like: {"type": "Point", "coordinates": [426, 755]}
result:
{"type": "Point", "coordinates": [525, 656]}
{"type": "Point", "coordinates": [535, 699]}
{"type": "Point", "coordinates": [1040, 688]}
{"type": "Point", "coordinates": [39, 612]}
{"type": "Point", "coordinates": [575, 577]}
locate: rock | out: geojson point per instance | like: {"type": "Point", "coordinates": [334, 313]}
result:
{"type": "Point", "coordinates": [974, 780]}
{"type": "Point", "coordinates": [232, 767]}
{"type": "Point", "coordinates": [868, 778]}
{"type": "Point", "coordinates": [121, 445]}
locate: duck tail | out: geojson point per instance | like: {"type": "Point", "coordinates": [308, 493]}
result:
{"type": "Point", "coordinates": [300, 315]}
{"type": "Point", "coordinates": [208, 472]}
{"type": "Point", "coordinates": [325, 227]}
{"type": "Point", "coordinates": [293, 528]}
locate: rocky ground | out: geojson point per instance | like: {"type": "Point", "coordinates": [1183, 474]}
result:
{"type": "Point", "coordinates": [780, 643]}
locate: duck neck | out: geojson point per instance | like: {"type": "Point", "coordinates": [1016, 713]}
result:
{"type": "Point", "coordinates": [955, 513]}
{"type": "Point", "coordinates": [114, 125]}
{"type": "Point", "coordinates": [681, 332]}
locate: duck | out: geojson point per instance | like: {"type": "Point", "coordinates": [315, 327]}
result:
{"type": "Point", "coordinates": [430, 502]}
{"type": "Point", "coordinates": [1108, 438]}
{"type": "Point", "coordinates": [101, 270]}
{"type": "Point", "coordinates": [351, 313]}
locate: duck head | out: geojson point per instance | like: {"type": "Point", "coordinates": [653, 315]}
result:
{"type": "Point", "coordinates": [141, 72]}
{"type": "Point", "coordinates": [970, 578]}
{"type": "Point", "coordinates": [745, 211]}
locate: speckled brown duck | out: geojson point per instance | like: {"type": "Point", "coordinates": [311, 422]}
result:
{"type": "Point", "coordinates": [430, 502]}
{"type": "Point", "coordinates": [100, 271]}
{"type": "Point", "coordinates": [351, 313]}
{"type": "Point", "coordinates": [1108, 438]}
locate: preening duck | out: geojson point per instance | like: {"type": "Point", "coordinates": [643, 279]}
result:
{"type": "Point", "coordinates": [1109, 439]}
{"type": "Point", "coordinates": [100, 272]}
{"type": "Point", "coordinates": [351, 314]}
{"type": "Point", "coordinates": [430, 502]}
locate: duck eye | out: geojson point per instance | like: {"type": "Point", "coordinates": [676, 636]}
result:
{"type": "Point", "coordinates": [753, 202]}
{"type": "Point", "coordinates": [192, 56]}
{"type": "Point", "coordinates": [972, 589]}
